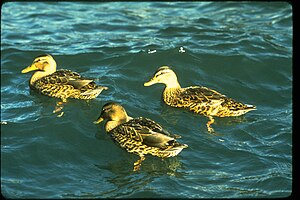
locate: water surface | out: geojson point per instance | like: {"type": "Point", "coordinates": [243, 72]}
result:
{"type": "Point", "coordinates": [243, 50]}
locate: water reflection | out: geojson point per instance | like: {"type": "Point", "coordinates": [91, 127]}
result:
{"type": "Point", "coordinates": [125, 181]}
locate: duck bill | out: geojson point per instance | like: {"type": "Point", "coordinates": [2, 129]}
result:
{"type": "Point", "coordinates": [103, 87]}
{"type": "Point", "coordinates": [99, 120]}
{"type": "Point", "coordinates": [149, 83]}
{"type": "Point", "coordinates": [29, 68]}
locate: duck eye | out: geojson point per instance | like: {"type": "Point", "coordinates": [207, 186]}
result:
{"type": "Point", "coordinates": [106, 109]}
{"type": "Point", "coordinates": [161, 73]}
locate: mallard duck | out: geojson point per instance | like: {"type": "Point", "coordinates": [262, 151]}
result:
{"type": "Point", "coordinates": [140, 135]}
{"type": "Point", "coordinates": [61, 84]}
{"type": "Point", "coordinates": [198, 99]}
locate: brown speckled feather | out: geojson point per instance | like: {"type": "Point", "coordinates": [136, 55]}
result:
{"type": "Point", "coordinates": [203, 100]}
{"type": "Point", "coordinates": [198, 99]}
{"type": "Point", "coordinates": [144, 136]}
{"type": "Point", "coordinates": [140, 135]}
{"type": "Point", "coordinates": [60, 83]}
{"type": "Point", "coordinates": [66, 84]}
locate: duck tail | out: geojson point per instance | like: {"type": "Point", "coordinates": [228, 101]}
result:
{"type": "Point", "coordinates": [94, 92]}
{"type": "Point", "coordinates": [250, 107]}
{"type": "Point", "coordinates": [244, 108]}
{"type": "Point", "coordinates": [102, 87]}
{"type": "Point", "coordinates": [176, 149]}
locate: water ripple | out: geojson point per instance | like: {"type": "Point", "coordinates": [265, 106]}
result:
{"type": "Point", "coordinates": [243, 50]}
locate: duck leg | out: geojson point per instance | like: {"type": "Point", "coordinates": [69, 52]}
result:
{"type": "Point", "coordinates": [137, 164]}
{"type": "Point", "coordinates": [59, 106]}
{"type": "Point", "coordinates": [211, 121]}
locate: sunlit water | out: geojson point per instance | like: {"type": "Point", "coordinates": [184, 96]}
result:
{"type": "Point", "coordinates": [243, 50]}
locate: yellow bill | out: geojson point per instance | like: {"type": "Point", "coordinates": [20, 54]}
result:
{"type": "Point", "coordinates": [99, 120]}
{"type": "Point", "coordinates": [149, 83]}
{"type": "Point", "coordinates": [29, 68]}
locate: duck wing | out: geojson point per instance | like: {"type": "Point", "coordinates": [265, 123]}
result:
{"type": "Point", "coordinates": [200, 94]}
{"type": "Point", "coordinates": [79, 83]}
{"type": "Point", "coordinates": [197, 95]}
{"type": "Point", "coordinates": [140, 130]}
{"type": "Point", "coordinates": [65, 83]}
{"type": "Point", "coordinates": [199, 99]}
{"type": "Point", "coordinates": [61, 77]}
{"type": "Point", "coordinates": [152, 125]}
{"type": "Point", "coordinates": [154, 139]}
{"type": "Point", "coordinates": [66, 77]}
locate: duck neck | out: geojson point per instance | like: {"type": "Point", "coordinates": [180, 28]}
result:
{"type": "Point", "coordinates": [170, 93]}
{"type": "Point", "coordinates": [49, 69]}
{"type": "Point", "coordinates": [114, 123]}
{"type": "Point", "coordinates": [38, 75]}
{"type": "Point", "coordinates": [172, 84]}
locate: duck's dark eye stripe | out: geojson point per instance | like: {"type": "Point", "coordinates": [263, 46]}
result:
{"type": "Point", "coordinates": [161, 73]}
{"type": "Point", "coordinates": [106, 108]}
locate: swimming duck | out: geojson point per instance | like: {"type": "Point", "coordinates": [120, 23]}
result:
{"type": "Point", "coordinates": [140, 135]}
{"type": "Point", "coordinates": [198, 99]}
{"type": "Point", "coordinates": [62, 83]}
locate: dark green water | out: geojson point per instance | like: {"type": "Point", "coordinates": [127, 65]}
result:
{"type": "Point", "coordinates": [243, 50]}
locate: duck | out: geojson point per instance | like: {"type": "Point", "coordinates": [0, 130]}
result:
{"type": "Point", "coordinates": [140, 136]}
{"type": "Point", "coordinates": [61, 83]}
{"type": "Point", "coordinates": [198, 99]}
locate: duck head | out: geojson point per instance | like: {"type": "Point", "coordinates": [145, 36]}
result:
{"type": "Point", "coordinates": [114, 113]}
{"type": "Point", "coordinates": [164, 75]}
{"type": "Point", "coordinates": [44, 63]}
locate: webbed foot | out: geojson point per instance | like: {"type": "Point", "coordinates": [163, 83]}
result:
{"type": "Point", "coordinates": [137, 164]}
{"type": "Point", "coordinates": [59, 106]}
{"type": "Point", "coordinates": [211, 121]}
